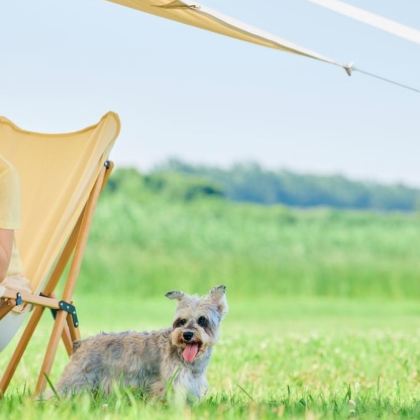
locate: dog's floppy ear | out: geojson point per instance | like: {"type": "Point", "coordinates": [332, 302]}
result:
{"type": "Point", "coordinates": [175, 295]}
{"type": "Point", "coordinates": [218, 296]}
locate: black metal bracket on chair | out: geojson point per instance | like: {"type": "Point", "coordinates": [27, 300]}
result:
{"type": "Point", "coordinates": [69, 308]}
{"type": "Point", "coordinates": [66, 307]}
{"type": "Point", "coordinates": [19, 300]}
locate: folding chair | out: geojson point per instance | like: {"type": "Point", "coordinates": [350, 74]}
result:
{"type": "Point", "coordinates": [61, 178]}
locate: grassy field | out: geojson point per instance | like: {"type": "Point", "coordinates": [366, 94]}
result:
{"type": "Point", "coordinates": [293, 358]}
{"type": "Point", "coordinates": [324, 319]}
{"type": "Point", "coordinates": [152, 246]}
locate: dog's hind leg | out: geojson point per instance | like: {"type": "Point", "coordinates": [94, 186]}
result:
{"type": "Point", "coordinates": [82, 374]}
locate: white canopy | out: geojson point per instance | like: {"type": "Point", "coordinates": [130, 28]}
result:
{"type": "Point", "coordinates": [391, 26]}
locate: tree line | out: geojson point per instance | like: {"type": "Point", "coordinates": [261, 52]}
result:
{"type": "Point", "coordinates": [250, 182]}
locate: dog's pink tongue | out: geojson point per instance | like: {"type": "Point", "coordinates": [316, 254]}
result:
{"type": "Point", "coordinates": [190, 352]}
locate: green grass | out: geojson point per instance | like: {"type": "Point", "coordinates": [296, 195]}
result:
{"type": "Point", "coordinates": [276, 357]}
{"type": "Point", "coordinates": [324, 320]}
{"type": "Point", "coordinates": [150, 247]}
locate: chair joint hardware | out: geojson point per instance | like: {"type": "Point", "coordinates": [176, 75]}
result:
{"type": "Point", "coordinates": [19, 300]}
{"type": "Point", "coordinates": [69, 308]}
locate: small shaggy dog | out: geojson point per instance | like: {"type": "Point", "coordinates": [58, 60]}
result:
{"type": "Point", "coordinates": [149, 361]}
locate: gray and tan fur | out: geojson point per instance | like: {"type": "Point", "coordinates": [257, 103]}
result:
{"type": "Point", "coordinates": [148, 361]}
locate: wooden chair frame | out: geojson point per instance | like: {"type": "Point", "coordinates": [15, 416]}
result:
{"type": "Point", "coordinates": [64, 326]}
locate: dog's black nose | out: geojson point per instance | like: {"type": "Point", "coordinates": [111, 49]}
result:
{"type": "Point", "coordinates": [188, 335]}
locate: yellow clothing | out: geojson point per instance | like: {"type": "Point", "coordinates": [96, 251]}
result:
{"type": "Point", "coordinates": [10, 208]}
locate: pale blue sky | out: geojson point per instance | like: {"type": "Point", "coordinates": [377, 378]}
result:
{"type": "Point", "coordinates": [205, 98]}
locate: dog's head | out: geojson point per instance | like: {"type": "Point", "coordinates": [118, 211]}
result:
{"type": "Point", "coordinates": [197, 321]}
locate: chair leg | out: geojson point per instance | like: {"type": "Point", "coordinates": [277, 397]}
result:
{"type": "Point", "coordinates": [70, 283]}
{"type": "Point", "coordinates": [5, 308]}
{"type": "Point", "coordinates": [60, 329]}
{"type": "Point", "coordinates": [66, 336]}
{"type": "Point", "coordinates": [51, 351]}
{"type": "Point", "coordinates": [20, 349]}
{"type": "Point", "coordinates": [67, 340]}
{"type": "Point", "coordinates": [74, 331]}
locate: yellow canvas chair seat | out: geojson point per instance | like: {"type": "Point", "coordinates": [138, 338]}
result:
{"type": "Point", "coordinates": [61, 176]}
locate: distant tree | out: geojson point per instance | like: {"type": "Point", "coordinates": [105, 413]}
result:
{"type": "Point", "coordinates": [249, 182]}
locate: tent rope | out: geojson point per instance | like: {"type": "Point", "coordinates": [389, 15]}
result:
{"type": "Point", "coordinates": [351, 68]}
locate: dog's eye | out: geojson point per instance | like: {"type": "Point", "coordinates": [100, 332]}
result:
{"type": "Point", "coordinates": [202, 322]}
{"type": "Point", "coordinates": [180, 323]}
